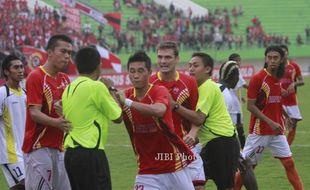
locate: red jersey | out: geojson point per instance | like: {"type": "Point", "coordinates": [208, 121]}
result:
{"type": "Point", "coordinates": [45, 90]}
{"type": "Point", "coordinates": [266, 90]}
{"type": "Point", "coordinates": [184, 91]}
{"type": "Point", "coordinates": [157, 147]}
{"type": "Point", "coordinates": [292, 72]}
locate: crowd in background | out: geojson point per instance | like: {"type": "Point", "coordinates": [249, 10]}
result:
{"type": "Point", "coordinates": [20, 26]}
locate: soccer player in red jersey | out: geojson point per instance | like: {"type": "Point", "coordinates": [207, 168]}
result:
{"type": "Point", "coordinates": [266, 124]}
{"type": "Point", "coordinates": [292, 79]}
{"type": "Point", "coordinates": [184, 91]}
{"type": "Point", "coordinates": [162, 155]}
{"type": "Point", "coordinates": [44, 133]}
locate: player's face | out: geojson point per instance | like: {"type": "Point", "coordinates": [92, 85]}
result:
{"type": "Point", "coordinates": [60, 55]}
{"type": "Point", "coordinates": [166, 60]}
{"type": "Point", "coordinates": [138, 74]}
{"type": "Point", "coordinates": [16, 71]}
{"type": "Point", "coordinates": [198, 70]}
{"type": "Point", "coordinates": [238, 61]}
{"type": "Point", "coordinates": [273, 60]}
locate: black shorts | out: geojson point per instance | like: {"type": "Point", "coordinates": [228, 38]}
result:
{"type": "Point", "coordinates": [87, 169]}
{"type": "Point", "coordinates": [220, 158]}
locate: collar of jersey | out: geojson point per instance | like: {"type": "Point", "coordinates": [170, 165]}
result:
{"type": "Point", "coordinates": [41, 67]}
{"type": "Point", "coordinates": [134, 91]}
{"type": "Point", "coordinates": [18, 92]}
{"type": "Point", "coordinates": [177, 76]}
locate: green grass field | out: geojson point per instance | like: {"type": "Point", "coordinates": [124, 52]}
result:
{"type": "Point", "coordinates": [270, 174]}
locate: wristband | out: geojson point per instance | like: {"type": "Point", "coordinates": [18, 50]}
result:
{"type": "Point", "coordinates": [175, 107]}
{"type": "Point", "coordinates": [128, 102]}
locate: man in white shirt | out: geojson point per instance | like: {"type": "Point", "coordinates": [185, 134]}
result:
{"type": "Point", "coordinates": [12, 122]}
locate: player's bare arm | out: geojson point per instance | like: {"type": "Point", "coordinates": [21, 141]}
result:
{"type": "Point", "coordinates": [156, 109]}
{"type": "Point", "coordinates": [41, 118]}
{"type": "Point", "coordinates": [253, 109]}
{"type": "Point", "coordinates": [195, 117]}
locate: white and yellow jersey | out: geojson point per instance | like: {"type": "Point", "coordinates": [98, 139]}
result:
{"type": "Point", "coordinates": [12, 124]}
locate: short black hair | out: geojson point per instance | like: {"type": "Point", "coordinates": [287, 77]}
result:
{"type": "Point", "coordinates": [52, 42]}
{"type": "Point", "coordinates": [233, 56]}
{"type": "Point", "coordinates": [206, 59]}
{"type": "Point", "coordinates": [87, 60]}
{"type": "Point", "coordinates": [6, 63]}
{"type": "Point", "coordinates": [140, 56]}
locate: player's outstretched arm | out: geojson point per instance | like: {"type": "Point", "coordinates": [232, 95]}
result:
{"type": "Point", "coordinates": [195, 117]}
{"type": "Point", "coordinates": [157, 109]}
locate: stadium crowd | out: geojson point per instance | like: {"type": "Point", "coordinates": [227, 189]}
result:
{"type": "Point", "coordinates": [215, 30]}
{"type": "Point", "coordinates": [21, 26]}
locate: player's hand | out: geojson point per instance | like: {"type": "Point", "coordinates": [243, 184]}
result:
{"type": "Point", "coordinates": [276, 127]}
{"type": "Point", "coordinates": [289, 124]}
{"type": "Point", "coordinates": [62, 124]}
{"type": "Point", "coordinates": [106, 81]}
{"type": "Point", "coordinates": [284, 93]}
{"type": "Point", "coordinates": [291, 88]}
{"type": "Point", "coordinates": [120, 95]}
{"type": "Point", "coordinates": [58, 108]}
{"type": "Point", "coordinates": [189, 139]}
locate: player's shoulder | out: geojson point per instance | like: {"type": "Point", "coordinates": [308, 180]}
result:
{"type": "Point", "coordinates": [37, 72]}
{"type": "Point", "coordinates": [189, 81]}
{"type": "Point", "coordinates": [212, 83]}
{"type": "Point", "coordinates": [260, 74]}
{"type": "Point", "coordinates": [186, 77]}
{"type": "Point", "coordinates": [294, 64]}
{"type": "Point", "coordinates": [153, 78]}
{"type": "Point", "coordinates": [158, 88]}
{"type": "Point", "coordinates": [3, 90]}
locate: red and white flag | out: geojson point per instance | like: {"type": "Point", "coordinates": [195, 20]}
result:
{"type": "Point", "coordinates": [36, 57]}
{"type": "Point", "coordinates": [113, 18]}
{"type": "Point", "coordinates": [109, 60]}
